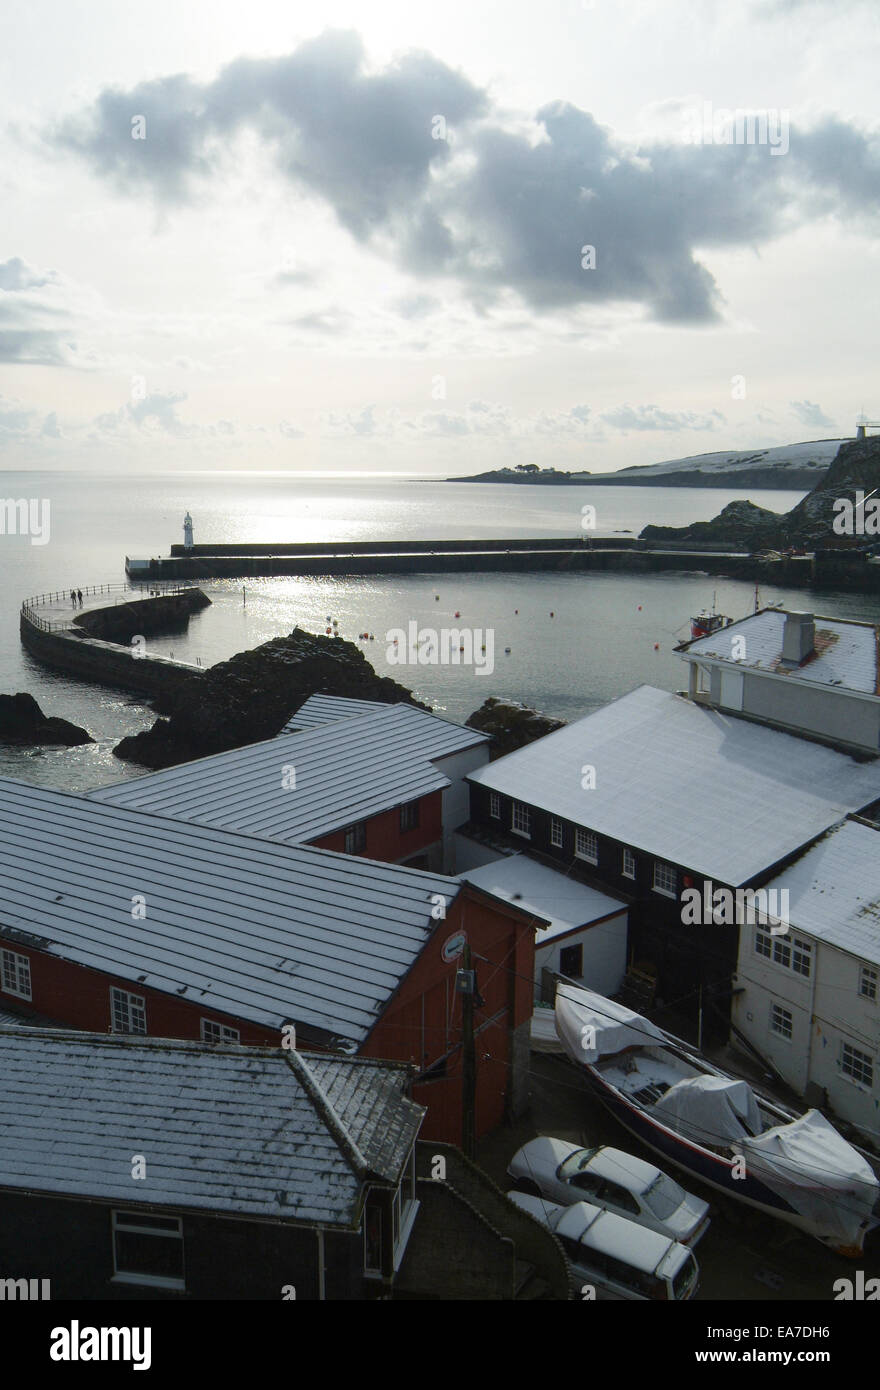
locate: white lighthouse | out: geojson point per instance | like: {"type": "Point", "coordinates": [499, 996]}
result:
{"type": "Point", "coordinates": [187, 532]}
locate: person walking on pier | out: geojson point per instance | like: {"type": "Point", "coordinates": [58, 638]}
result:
{"type": "Point", "coordinates": [79, 594]}
{"type": "Point", "coordinates": [73, 598]}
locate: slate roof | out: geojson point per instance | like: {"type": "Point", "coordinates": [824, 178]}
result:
{"type": "Point", "coordinates": [327, 709]}
{"type": "Point", "coordinates": [834, 890]}
{"type": "Point", "coordinates": [344, 772]}
{"type": "Point", "coordinates": [243, 1130]}
{"type": "Point", "coordinates": [845, 654]}
{"type": "Point", "coordinates": [562, 903]}
{"type": "Point", "coordinates": [721, 796]}
{"type": "Point", "coordinates": [260, 931]}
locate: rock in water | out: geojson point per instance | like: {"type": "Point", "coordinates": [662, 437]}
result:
{"type": "Point", "coordinates": [511, 725]}
{"type": "Point", "coordinates": [22, 721]}
{"type": "Point", "coordinates": [252, 696]}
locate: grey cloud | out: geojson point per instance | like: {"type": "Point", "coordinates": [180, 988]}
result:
{"type": "Point", "coordinates": [651, 417]}
{"type": "Point", "coordinates": [811, 414]}
{"type": "Point", "coordinates": [51, 427]}
{"type": "Point", "coordinates": [158, 407]}
{"type": "Point", "coordinates": [515, 212]}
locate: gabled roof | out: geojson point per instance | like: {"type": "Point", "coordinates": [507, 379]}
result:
{"type": "Point", "coordinates": [845, 655]}
{"type": "Point", "coordinates": [327, 709]}
{"type": "Point", "coordinates": [346, 771]}
{"type": "Point", "coordinates": [721, 796]}
{"type": "Point", "coordinates": [265, 932]}
{"type": "Point", "coordinates": [246, 1130]}
{"type": "Point", "coordinates": [560, 903]}
{"type": "Point", "coordinates": [834, 890]}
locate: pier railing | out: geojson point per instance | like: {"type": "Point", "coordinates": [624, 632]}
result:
{"type": "Point", "coordinates": [150, 587]}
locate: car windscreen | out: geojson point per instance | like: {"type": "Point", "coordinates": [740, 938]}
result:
{"type": "Point", "coordinates": [686, 1278]}
{"type": "Point", "coordinates": [663, 1197]}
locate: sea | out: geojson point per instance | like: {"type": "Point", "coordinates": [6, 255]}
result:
{"type": "Point", "coordinates": [564, 644]}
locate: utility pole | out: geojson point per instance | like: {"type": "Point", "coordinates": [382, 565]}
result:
{"type": "Point", "coordinates": [465, 984]}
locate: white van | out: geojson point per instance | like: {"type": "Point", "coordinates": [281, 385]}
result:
{"type": "Point", "coordinates": [622, 1259]}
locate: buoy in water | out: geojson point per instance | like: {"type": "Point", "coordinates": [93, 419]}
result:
{"type": "Point", "coordinates": [328, 631]}
{"type": "Point", "coordinates": [640, 608]}
{"type": "Point", "coordinates": [457, 614]}
{"type": "Point", "coordinates": [516, 610]}
{"type": "Point", "coordinates": [552, 614]}
{"type": "Point", "coordinates": [656, 646]}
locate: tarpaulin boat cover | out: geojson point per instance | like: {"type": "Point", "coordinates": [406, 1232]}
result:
{"type": "Point", "coordinates": [710, 1109]}
{"type": "Point", "coordinates": [818, 1173]}
{"type": "Point", "coordinates": [590, 1026]}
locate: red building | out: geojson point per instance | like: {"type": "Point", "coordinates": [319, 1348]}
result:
{"type": "Point", "coordinates": [123, 922]}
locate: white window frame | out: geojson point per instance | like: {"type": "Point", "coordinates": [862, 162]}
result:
{"type": "Point", "coordinates": [154, 1281]}
{"type": "Point", "coordinates": [134, 1004]}
{"type": "Point", "coordinates": [557, 833]}
{"type": "Point", "coordinates": [801, 952]}
{"type": "Point", "coordinates": [580, 835]}
{"type": "Point", "coordinates": [859, 1060]}
{"type": "Point", "coordinates": [225, 1034]}
{"type": "Point", "coordinates": [629, 864]}
{"type": "Point", "coordinates": [495, 805]}
{"type": "Point", "coordinates": [15, 974]}
{"type": "Point", "coordinates": [869, 976]}
{"type": "Point", "coordinates": [661, 868]}
{"type": "Point", "coordinates": [405, 1210]}
{"type": "Point", "coordinates": [519, 810]}
{"type": "Point", "coordinates": [776, 1009]}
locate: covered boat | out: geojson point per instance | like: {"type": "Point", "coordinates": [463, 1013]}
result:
{"type": "Point", "coordinates": [716, 1127]}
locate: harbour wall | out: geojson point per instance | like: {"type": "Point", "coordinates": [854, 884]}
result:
{"type": "Point", "coordinates": [72, 649]}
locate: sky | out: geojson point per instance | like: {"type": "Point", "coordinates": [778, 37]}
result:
{"type": "Point", "coordinates": [434, 238]}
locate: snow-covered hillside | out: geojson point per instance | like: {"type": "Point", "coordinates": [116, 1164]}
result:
{"type": "Point", "coordinates": [814, 457]}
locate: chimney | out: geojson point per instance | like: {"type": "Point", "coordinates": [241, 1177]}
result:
{"type": "Point", "coordinates": [798, 637]}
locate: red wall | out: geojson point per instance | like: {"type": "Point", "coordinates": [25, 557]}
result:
{"type": "Point", "coordinates": [423, 1021]}
{"type": "Point", "coordinates": [385, 840]}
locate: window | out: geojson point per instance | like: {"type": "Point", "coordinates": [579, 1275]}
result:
{"type": "Point", "coordinates": [16, 974]}
{"type": "Point", "coordinates": [409, 816]}
{"type": "Point", "coordinates": [801, 957]}
{"type": "Point", "coordinates": [868, 983]}
{"type": "Point", "coordinates": [148, 1250]}
{"type": "Point", "coordinates": [856, 1064]}
{"type": "Point", "coordinates": [356, 838]}
{"type": "Point", "coordinates": [556, 838]}
{"type": "Point", "coordinates": [665, 879]}
{"type": "Point", "coordinates": [218, 1032]}
{"type": "Point", "coordinates": [781, 1021]}
{"type": "Point", "coordinates": [794, 954]}
{"type": "Point", "coordinates": [586, 845]}
{"type": "Point", "coordinates": [128, 1012]}
{"type": "Point", "coordinates": [522, 820]}
{"type": "Point", "coordinates": [494, 805]}
{"type": "Point", "coordinates": [629, 864]}
{"type": "Point", "coordinates": [571, 961]}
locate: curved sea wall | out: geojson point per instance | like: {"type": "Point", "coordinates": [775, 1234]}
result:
{"type": "Point", "coordinates": [71, 648]}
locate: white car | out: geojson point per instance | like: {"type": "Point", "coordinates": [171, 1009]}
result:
{"type": "Point", "coordinates": [608, 1178]}
{"type": "Point", "coordinates": [612, 1258]}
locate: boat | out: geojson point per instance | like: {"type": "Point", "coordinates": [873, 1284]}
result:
{"type": "Point", "coordinates": [704, 623]}
{"type": "Point", "coordinates": [717, 1127]}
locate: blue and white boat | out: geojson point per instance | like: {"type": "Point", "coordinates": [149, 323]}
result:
{"type": "Point", "coordinates": [716, 1127]}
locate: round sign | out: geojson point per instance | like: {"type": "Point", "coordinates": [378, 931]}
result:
{"type": "Point", "coordinates": [454, 945]}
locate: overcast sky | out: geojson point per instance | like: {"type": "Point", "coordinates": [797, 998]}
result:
{"type": "Point", "coordinates": [347, 236]}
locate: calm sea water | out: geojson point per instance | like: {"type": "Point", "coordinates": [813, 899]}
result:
{"type": "Point", "coordinates": [608, 634]}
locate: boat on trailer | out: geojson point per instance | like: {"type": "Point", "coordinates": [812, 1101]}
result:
{"type": "Point", "coordinates": [717, 1127]}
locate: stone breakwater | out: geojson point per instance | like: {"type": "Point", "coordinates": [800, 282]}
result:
{"type": "Point", "coordinates": [97, 645]}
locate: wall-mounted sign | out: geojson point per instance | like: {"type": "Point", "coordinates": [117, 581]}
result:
{"type": "Point", "coordinates": [454, 945]}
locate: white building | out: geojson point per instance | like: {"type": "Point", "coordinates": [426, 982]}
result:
{"type": "Point", "coordinates": [579, 932]}
{"type": "Point", "coordinates": [809, 1000]}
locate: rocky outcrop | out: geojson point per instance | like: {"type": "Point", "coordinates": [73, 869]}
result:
{"type": "Point", "coordinates": [251, 697]}
{"type": "Point", "coordinates": [511, 725]}
{"type": "Point", "coordinates": [22, 721]}
{"type": "Point", "coordinates": [743, 526]}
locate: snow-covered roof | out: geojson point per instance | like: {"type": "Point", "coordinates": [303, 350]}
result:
{"type": "Point", "coordinates": [250, 1130]}
{"type": "Point", "coordinates": [845, 653]}
{"type": "Point", "coordinates": [266, 932]}
{"type": "Point", "coordinates": [327, 709]}
{"type": "Point", "coordinates": [562, 902]}
{"type": "Point", "coordinates": [834, 890]}
{"type": "Point", "coordinates": [721, 796]}
{"type": "Point", "coordinates": [298, 787]}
